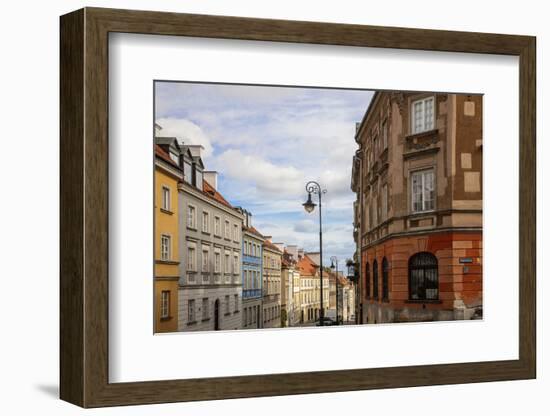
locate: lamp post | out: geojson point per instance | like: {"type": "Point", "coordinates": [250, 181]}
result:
{"type": "Point", "coordinates": [333, 260]}
{"type": "Point", "coordinates": [313, 187]}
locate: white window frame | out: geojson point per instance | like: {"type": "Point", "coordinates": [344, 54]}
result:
{"type": "Point", "coordinates": [235, 232]}
{"type": "Point", "coordinates": [217, 226]}
{"type": "Point", "coordinates": [205, 267]}
{"type": "Point", "coordinates": [227, 263]}
{"type": "Point", "coordinates": [205, 225]}
{"type": "Point", "coordinates": [165, 249]}
{"type": "Point", "coordinates": [192, 259]}
{"type": "Point", "coordinates": [165, 304]}
{"type": "Point", "coordinates": [191, 216]}
{"type": "Point", "coordinates": [425, 125]}
{"type": "Point", "coordinates": [166, 197]}
{"type": "Point", "coordinates": [227, 231]}
{"type": "Point", "coordinates": [217, 261]}
{"type": "Point", "coordinates": [422, 174]}
{"type": "Point", "coordinates": [384, 134]}
{"type": "Point", "coordinates": [235, 263]}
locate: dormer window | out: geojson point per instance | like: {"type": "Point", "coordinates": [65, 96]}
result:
{"type": "Point", "coordinates": [198, 178]}
{"type": "Point", "coordinates": [174, 156]}
{"type": "Point", "coordinates": [187, 172]}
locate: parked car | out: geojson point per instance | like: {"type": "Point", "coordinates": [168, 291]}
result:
{"type": "Point", "coordinates": [326, 321]}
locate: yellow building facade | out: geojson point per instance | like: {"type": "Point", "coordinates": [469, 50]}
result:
{"type": "Point", "coordinates": [167, 176]}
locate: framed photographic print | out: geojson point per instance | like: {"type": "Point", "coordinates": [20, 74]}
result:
{"type": "Point", "coordinates": [244, 199]}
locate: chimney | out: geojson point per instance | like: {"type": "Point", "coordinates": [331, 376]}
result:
{"type": "Point", "coordinates": [293, 251]}
{"type": "Point", "coordinates": [300, 253]}
{"type": "Point", "coordinates": [211, 176]}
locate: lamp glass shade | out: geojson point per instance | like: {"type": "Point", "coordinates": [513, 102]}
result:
{"type": "Point", "coordinates": [309, 205]}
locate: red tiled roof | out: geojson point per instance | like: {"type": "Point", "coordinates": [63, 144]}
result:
{"type": "Point", "coordinates": [210, 191]}
{"type": "Point", "coordinates": [252, 230]}
{"type": "Point", "coordinates": [161, 153]}
{"type": "Point", "coordinates": [268, 244]}
{"type": "Point", "coordinates": [306, 266]}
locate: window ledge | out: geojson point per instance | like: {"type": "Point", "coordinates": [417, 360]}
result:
{"type": "Point", "coordinates": [166, 211]}
{"type": "Point", "coordinates": [227, 314]}
{"type": "Point", "coordinates": [167, 262]}
{"type": "Point", "coordinates": [205, 320]}
{"type": "Point", "coordinates": [166, 318]}
{"type": "Point", "coordinates": [191, 323]}
{"type": "Point", "coordinates": [192, 228]}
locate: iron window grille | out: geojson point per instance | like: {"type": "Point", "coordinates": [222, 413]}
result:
{"type": "Point", "coordinates": [423, 277]}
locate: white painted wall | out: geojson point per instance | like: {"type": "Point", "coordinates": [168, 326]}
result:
{"type": "Point", "coordinates": [29, 108]}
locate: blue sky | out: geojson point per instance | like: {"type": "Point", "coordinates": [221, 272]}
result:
{"type": "Point", "coordinates": [266, 143]}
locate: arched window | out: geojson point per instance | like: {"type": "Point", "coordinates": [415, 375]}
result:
{"type": "Point", "coordinates": [423, 277]}
{"type": "Point", "coordinates": [375, 279]}
{"type": "Point", "coordinates": [385, 280]}
{"type": "Point", "coordinates": [367, 280]}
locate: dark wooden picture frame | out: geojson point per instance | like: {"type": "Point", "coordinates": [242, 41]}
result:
{"type": "Point", "coordinates": [84, 207]}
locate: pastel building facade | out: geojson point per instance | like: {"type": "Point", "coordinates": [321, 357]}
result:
{"type": "Point", "coordinates": [210, 284]}
{"type": "Point", "coordinates": [252, 254]}
{"type": "Point", "coordinates": [271, 285]}
{"type": "Point", "coordinates": [167, 175]}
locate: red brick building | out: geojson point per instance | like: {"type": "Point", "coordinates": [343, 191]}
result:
{"type": "Point", "coordinates": [418, 214]}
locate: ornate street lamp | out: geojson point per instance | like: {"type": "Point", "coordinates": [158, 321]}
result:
{"type": "Point", "coordinates": [333, 260]}
{"type": "Point", "coordinates": [313, 187]}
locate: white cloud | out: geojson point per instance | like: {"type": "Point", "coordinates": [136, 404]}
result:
{"type": "Point", "coordinates": [269, 178]}
{"type": "Point", "coordinates": [186, 131]}
{"type": "Point", "coordinates": [305, 226]}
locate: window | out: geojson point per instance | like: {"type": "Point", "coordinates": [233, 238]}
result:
{"type": "Point", "coordinates": [236, 264]}
{"type": "Point", "coordinates": [423, 277]}
{"type": "Point", "coordinates": [175, 158]}
{"type": "Point", "coordinates": [187, 172]}
{"type": "Point", "coordinates": [384, 204]}
{"type": "Point", "coordinates": [217, 226]}
{"type": "Point", "coordinates": [422, 115]}
{"type": "Point", "coordinates": [191, 217]}
{"type": "Point", "coordinates": [227, 304]}
{"type": "Point", "coordinates": [423, 191]}
{"type": "Point", "coordinates": [166, 198]}
{"type": "Point", "coordinates": [198, 179]}
{"type": "Point", "coordinates": [375, 147]}
{"type": "Point", "coordinates": [227, 264]}
{"type": "Point", "coordinates": [205, 309]}
{"type": "Point", "coordinates": [367, 278]}
{"type": "Point", "coordinates": [191, 310]}
{"type": "Point", "coordinates": [217, 262]}
{"type": "Point", "coordinates": [205, 260]}
{"type": "Point", "coordinates": [191, 263]}
{"type": "Point", "coordinates": [165, 247]}
{"type": "Point", "coordinates": [226, 231]}
{"type": "Point", "coordinates": [236, 298]}
{"type": "Point", "coordinates": [385, 279]}
{"type": "Point", "coordinates": [235, 232]}
{"type": "Point", "coordinates": [375, 279]}
{"type": "Point", "coordinates": [384, 135]}
{"type": "Point", "coordinates": [205, 222]}
{"type": "Point", "coordinates": [165, 304]}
